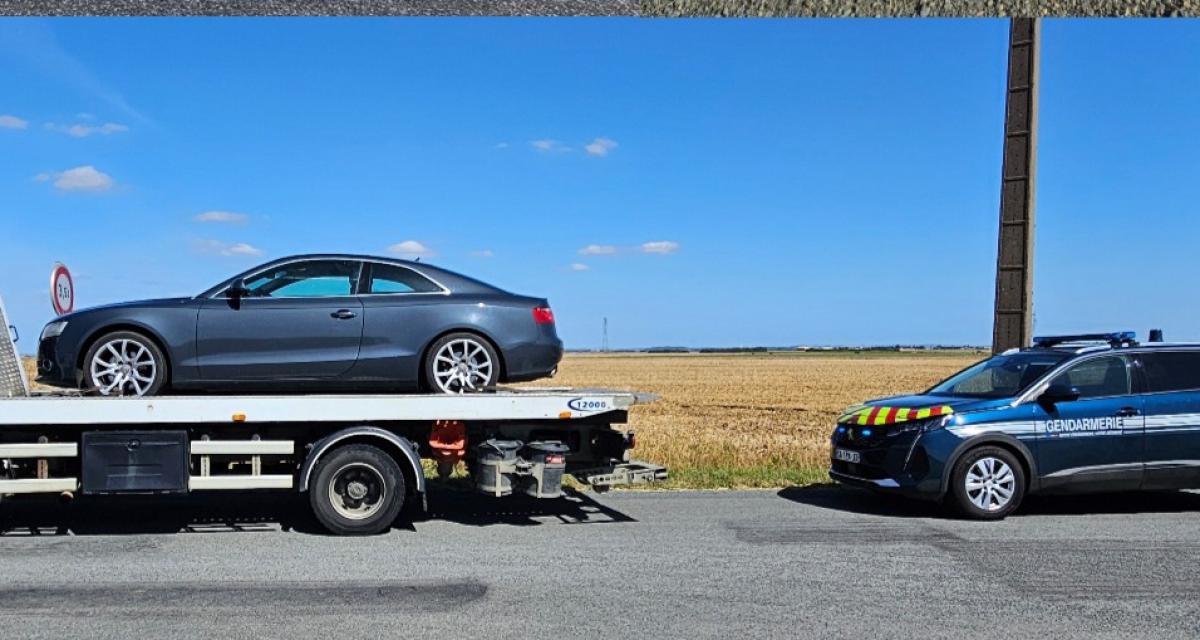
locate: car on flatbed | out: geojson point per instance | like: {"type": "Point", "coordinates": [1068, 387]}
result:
{"type": "Point", "coordinates": [314, 323]}
{"type": "Point", "coordinates": [1071, 414]}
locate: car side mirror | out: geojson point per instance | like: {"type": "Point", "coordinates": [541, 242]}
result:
{"type": "Point", "coordinates": [1059, 392]}
{"type": "Point", "coordinates": [237, 289]}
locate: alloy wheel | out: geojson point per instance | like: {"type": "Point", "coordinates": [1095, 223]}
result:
{"type": "Point", "coordinates": [462, 365]}
{"type": "Point", "coordinates": [123, 367]}
{"type": "Point", "coordinates": [990, 484]}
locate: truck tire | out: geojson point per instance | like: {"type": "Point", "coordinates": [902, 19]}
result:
{"type": "Point", "coordinates": [357, 489]}
{"type": "Point", "coordinates": [987, 483]}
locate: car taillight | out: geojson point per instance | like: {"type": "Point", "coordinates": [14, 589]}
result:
{"type": "Point", "coordinates": [543, 315]}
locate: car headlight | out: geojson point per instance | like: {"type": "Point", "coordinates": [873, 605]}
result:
{"type": "Point", "coordinates": [930, 424]}
{"type": "Point", "coordinates": [54, 329]}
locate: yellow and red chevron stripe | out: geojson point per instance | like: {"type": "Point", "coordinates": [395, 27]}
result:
{"type": "Point", "coordinates": [891, 415]}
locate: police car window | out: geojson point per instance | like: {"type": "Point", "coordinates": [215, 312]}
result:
{"type": "Point", "coordinates": [1098, 377]}
{"type": "Point", "coordinates": [1171, 370]}
{"type": "Point", "coordinates": [999, 376]}
{"type": "Point", "coordinates": [386, 278]}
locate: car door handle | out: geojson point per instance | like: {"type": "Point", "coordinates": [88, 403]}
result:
{"type": "Point", "coordinates": [343, 314]}
{"type": "Point", "coordinates": [1127, 412]}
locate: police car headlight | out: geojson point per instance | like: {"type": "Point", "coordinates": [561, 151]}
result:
{"type": "Point", "coordinates": [54, 329]}
{"type": "Point", "coordinates": [930, 424]}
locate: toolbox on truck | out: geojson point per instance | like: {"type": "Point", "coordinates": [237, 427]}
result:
{"type": "Point", "coordinates": [135, 462]}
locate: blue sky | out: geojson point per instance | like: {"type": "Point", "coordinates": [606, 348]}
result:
{"type": "Point", "coordinates": [739, 182]}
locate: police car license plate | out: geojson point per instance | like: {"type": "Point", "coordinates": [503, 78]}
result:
{"type": "Point", "coordinates": [847, 456]}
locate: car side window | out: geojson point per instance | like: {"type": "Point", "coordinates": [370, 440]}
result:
{"type": "Point", "coordinates": [308, 279]}
{"type": "Point", "coordinates": [1171, 370]}
{"type": "Point", "coordinates": [1098, 377]}
{"type": "Point", "coordinates": [386, 278]}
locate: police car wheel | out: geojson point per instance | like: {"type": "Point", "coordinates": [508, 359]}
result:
{"type": "Point", "coordinates": [987, 483]}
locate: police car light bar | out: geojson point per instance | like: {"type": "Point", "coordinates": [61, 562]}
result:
{"type": "Point", "coordinates": [1115, 338]}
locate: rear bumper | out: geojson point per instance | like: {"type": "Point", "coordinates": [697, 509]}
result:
{"type": "Point", "coordinates": [532, 360]}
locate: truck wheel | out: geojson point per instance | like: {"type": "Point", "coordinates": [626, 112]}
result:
{"type": "Point", "coordinates": [124, 363]}
{"type": "Point", "coordinates": [357, 490]}
{"type": "Point", "coordinates": [987, 483]}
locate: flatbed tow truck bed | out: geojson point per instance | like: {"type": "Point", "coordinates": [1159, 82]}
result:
{"type": "Point", "coordinates": [513, 441]}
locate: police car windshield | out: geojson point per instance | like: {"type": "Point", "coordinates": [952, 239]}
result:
{"type": "Point", "coordinates": [999, 376]}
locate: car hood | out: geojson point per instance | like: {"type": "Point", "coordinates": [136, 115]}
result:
{"type": "Point", "coordinates": [914, 407]}
{"type": "Point", "coordinates": [157, 303]}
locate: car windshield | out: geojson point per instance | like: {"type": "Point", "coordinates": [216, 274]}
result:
{"type": "Point", "coordinates": [999, 376]}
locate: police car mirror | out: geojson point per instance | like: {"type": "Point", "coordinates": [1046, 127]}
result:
{"type": "Point", "coordinates": [1058, 393]}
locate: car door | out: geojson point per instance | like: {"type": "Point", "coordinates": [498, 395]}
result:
{"type": "Point", "coordinates": [300, 320]}
{"type": "Point", "coordinates": [401, 315]}
{"type": "Point", "coordinates": [1093, 442]}
{"type": "Point", "coordinates": [1172, 402]}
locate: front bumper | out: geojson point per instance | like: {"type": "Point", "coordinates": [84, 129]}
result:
{"type": "Point", "coordinates": [910, 464]}
{"type": "Point", "coordinates": [54, 367]}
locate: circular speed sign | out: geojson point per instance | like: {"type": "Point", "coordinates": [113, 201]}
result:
{"type": "Point", "coordinates": [62, 290]}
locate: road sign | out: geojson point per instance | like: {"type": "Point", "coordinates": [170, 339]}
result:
{"type": "Point", "coordinates": [62, 290]}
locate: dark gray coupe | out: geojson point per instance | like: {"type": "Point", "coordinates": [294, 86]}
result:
{"type": "Point", "coordinates": [309, 323]}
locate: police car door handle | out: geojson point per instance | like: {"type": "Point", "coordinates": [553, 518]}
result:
{"type": "Point", "coordinates": [343, 314]}
{"type": "Point", "coordinates": [1127, 412]}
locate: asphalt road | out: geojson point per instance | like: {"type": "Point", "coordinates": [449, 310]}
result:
{"type": "Point", "coordinates": [797, 563]}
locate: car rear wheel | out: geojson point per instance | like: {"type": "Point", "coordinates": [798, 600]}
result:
{"type": "Point", "coordinates": [988, 483]}
{"type": "Point", "coordinates": [124, 363]}
{"type": "Point", "coordinates": [461, 363]}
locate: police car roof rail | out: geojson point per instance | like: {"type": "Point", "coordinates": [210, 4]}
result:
{"type": "Point", "coordinates": [1113, 339]}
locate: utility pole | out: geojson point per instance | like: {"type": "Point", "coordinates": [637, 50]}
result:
{"type": "Point", "coordinates": [604, 343]}
{"type": "Point", "coordinates": [1013, 323]}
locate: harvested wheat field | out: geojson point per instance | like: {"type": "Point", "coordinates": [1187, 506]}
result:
{"type": "Point", "coordinates": [752, 420]}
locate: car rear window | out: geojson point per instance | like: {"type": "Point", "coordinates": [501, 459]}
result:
{"type": "Point", "coordinates": [1172, 370]}
{"type": "Point", "coordinates": [386, 278]}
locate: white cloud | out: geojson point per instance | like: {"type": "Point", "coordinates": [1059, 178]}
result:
{"type": "Point", "coordinates": [660, 246]}
{"type": "Point", "coordinates": [217, 247]}
{"type": "Point", "coordinates": [600, 147]}
{"type": "Point", "coordinates": [12, 122]}
{"type": "Point", "coordinates": [85, 130]}
{"type": "Point", "coordinates": [242, 249]}
{"type": "Point", "coordinates": [85, 178]}
{"type": "Point", "coordinates": [546, 145]}
{"type": "Point", "coordinates": [411, 249]}
{"type": "Point", "coordinates": [500, 145]}
{"type": "Point", "coordinates": [483, 253]}
{"type": "Point", "coordinates": [85, 116]}
{"type": "Point", "coordinates": [598, 250]}
{"type": "Point", "coordinates": [221, 216]}
{"type": "Point", "coordinates": [578, 266]}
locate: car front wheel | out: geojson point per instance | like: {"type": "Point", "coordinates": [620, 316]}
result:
{"type": "Point", "coordinates": [988, 483]}
{"type": "Point", "coordinates": [124, 363]}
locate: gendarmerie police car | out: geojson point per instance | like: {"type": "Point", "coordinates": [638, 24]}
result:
{"type": "Point", "coordinates": [1078, 413]}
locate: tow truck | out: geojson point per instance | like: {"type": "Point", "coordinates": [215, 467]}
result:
{"type": "Point", "coordinates": [359, 458]}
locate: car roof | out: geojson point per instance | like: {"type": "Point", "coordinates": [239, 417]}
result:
{"type": "Point", "coordinates": [455, 282]}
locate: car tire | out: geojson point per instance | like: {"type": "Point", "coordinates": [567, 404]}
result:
{"type": "Point", "coordinates": [987, 483]}
{"type": "Point", "coordinates": [124, 363]}
{"type": "Point", "coordinates": [461, 363]}
{"type": "Point", "coordinates": [357, 489]}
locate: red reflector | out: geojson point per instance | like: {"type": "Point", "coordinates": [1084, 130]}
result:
{"type": "Point", "coordinates": [555, 459]}
{"type": "Point", "coordinates": [543, 315]}
{"type": "Point", "coordinates": [632, 440]}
